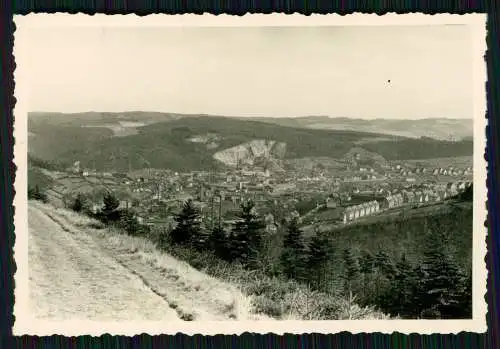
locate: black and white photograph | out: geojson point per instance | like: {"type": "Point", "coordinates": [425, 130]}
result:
{"type": "Point", "coordinates": [243, 174]}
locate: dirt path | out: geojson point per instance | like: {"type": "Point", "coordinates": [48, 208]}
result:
{"type": "Point", "coordinates": [70, 277]}
{"type": "Point", "coordinates": [78, 272]}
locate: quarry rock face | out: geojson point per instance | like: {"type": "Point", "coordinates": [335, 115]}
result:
{"type": "Point", "coordinates": [248, 153]}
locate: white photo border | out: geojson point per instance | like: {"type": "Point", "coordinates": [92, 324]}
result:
{"type": "Point", "coordinates": [27, 325]}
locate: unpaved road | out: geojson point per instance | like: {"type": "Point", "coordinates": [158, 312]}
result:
{"type": "Point", "coordinates": [69, 276]}
{"type": "Point", "coordinates": [73, 276]}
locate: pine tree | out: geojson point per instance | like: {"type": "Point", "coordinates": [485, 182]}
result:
{"type": "Point", "coordinates": [247, 235]}
{"type": "Point", "coordinates": [366, 262]}
{"type": "Point", "coordinates": [218, 243]}
{"type": "Point", "coordinates": [111, 202]}
{"type": "Point", "coordinates": [200, 238]}
{"type": "Point", "coordinates": [398, 298]}
{"type": "Point", "coordinates": [443, 278]}
{"type": "Point", "coordinates": [368, 273]}
{"type": "Point", "coordinates": [442, 283]}
{"type": "Point", "coordinates": [351, 271]}
{"type": "Point", "coordinates": [466, 296]}
{"type": "Point", "coordinates": [293, 257]}
{"type": "Point", "coordinates": [384, 272]}
{"type": "Point", "coordinates": [384, 264]}
{"type": "Point", "coordinates": [236, 249]}
{"type": "Point", "coordinates": [31, 193]}
{"type": "Point", "coordinates": [110, 210]}
{"type": "Point", "coordinates": [77, 205]}
{"type": "Point", "coordinates": [317, 259]}
{"type": "Point", "coordinates": [36, 194]}
{"type": "Point", "coordinates": [188, 225]}
{"type": "Point", "coordinates": [130, 223]}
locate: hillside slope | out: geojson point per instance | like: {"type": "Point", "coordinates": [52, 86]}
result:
{"type": "Point", "coordinates": [94, 274]}
{"type": "Point", "coordinates": [441, 129]}
{"type": "Point", "coordinates": [182, 144]}
{"type": "Point", "coordinates": [409, 231]}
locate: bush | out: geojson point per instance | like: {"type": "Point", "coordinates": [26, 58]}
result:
{"type": "Point", "coordinates": [37, 194]}
{"type": "Point", "coordinates": [265, 305]}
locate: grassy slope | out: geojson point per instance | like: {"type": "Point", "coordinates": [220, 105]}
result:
{"type": "Point", "coordinates": [37, 178]}
{"type": "Point", "coordinates": [248, 294]}
{"type": "Point", "coordinates": [165, 145]}
{"type": "Point", "coordinates": [436, 128]}
{"type": "Point", "coordinates": [187, 291]}
{"type": "Point", "coordinates": [396, 235]}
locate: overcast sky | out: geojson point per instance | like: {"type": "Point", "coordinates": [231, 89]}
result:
{"type": "Point", "coordinates": [252, 71]}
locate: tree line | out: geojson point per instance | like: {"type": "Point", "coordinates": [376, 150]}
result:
{"type": "Point", "coordinates": [434, 286]}
{"type": "Point", "coordinates": [110, 213]}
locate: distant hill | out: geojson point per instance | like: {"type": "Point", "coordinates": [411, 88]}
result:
{"type": "Point", "coordinates": [101, 118]}
{"type": "Point", "coordinates": [437, 128]}
{"type": "Point", "coordinates": [186, 142]}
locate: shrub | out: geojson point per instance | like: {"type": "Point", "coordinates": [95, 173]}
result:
{"type": "Point", "coordinates": [35, 193]}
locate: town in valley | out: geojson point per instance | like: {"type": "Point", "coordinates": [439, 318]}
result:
{"type": "Point", "coordinates": [343, 192]}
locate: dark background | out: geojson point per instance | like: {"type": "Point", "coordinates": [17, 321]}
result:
{"type": "Point", "coordinates": [491, 339]}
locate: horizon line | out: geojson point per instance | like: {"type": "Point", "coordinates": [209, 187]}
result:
{"type": "Point", "coordinates": [248, 116]}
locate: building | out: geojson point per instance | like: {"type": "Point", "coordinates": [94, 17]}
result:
{"type": "Point", "coordinates": [349, 214]}
{"type": "Point", "coordinates": [419, 197]}
{"type": "Point", "coordinates": [332, 202]}
{"type": "Point", "coordinates": [357, 212]}
{"type": "Point", "coordinates": [426, 195]}
{"type": "Point", "coordinates": [363, 209]}
{"type": "Point", "coordinates": [392, 201]}
{"type": "Point", "coordinates": [443, 195]}
{"type": "Point", "coordinates": [408, 197]}
{"type": "Point", "coordinates": [452, 188]}
{"type": "Point", "coordinates": [345, 215]}
{"type": "Point", "coordinates": [398, 198]}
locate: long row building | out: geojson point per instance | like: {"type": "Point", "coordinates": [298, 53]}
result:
{"type": "Point", "coordinates": [403, 198]}
{"type": "Point", "coordinates": [357, 211]}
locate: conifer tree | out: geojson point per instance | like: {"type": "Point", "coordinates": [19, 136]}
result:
{"type": "Point", "coordinates": [466, 296]}
{"type": "Point", "coordinates": [77, 205]}
{"type": "Point", "coordinates": [383, 273]}
{"type": "Point", "coordinates": [31, 193]}
{"type": "Point", "coordinates": [368, 270]}
{"type": "Point", "coordinates": [351, 271]}
{"type": "Point", "coordinates": [319, 254]}
{"type": "Point", "coordinates": [247, 235]}
{"type": "Point", "coordinates": [218, 243]}
{"type": "Point", "coordinates": [188, 225]}
{"type": "Point", "coordinates": [293, 257]}
{"type": "Point", "coordinates": [36, 194]}
{"type": "Point", "coordinates": [366, 262]}
{"type": "Point", "coordinates": [442, 283]}
{"type": "Point", "coordinates": [384, 264]}
{"type": "Point", "coordinates": [111, 202]}
{"type": "Point", "coordinates": [399, 297]}
{"type": "Point", "coordinates": [236, 249]}
{"type": "Point", "coordinates": [443, 279]}
{"type": "Point", "coordinates": [110, 210]}
{"type": "Point", "coordinates": [130, 223]}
